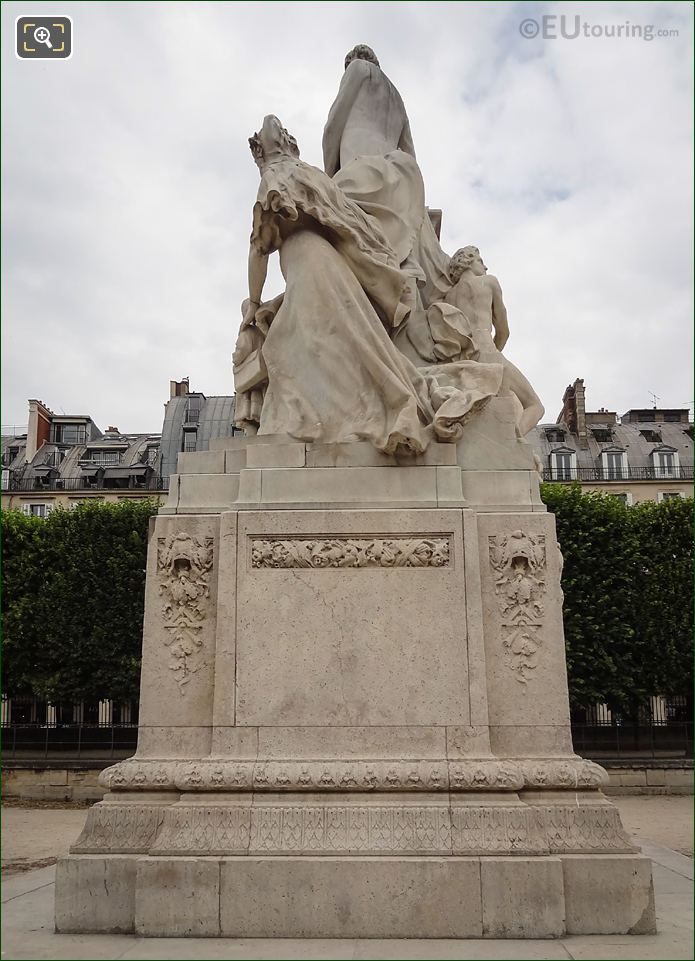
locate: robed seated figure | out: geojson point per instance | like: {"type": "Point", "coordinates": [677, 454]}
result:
{"type": "Point", "coordinates": [318, 363]}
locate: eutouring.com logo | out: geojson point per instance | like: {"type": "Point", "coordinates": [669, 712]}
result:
{"type": "Point", "coordinates": [44, 38]}
{"type": "Point", "coordinates": [563, 27]}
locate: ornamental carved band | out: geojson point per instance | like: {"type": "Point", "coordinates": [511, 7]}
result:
{"type": "Point", "coordinates": [519, 561]}
{"type": "Point", "coordinates": [324, 552]}
{"type": "Point", "coordinates": [184, 564]}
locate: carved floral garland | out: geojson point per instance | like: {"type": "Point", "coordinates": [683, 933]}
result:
{"type": "Point", "coordinates": [184, 564]}
{"type": "Point", "coordinates": [342, 552]}
{"type": "Point", "coordinates": [520, 561]}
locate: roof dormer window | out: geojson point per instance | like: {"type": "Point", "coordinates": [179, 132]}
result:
{"type": "Point", "coordinates": [651, 436]}
{"type": "Point", "coordinates": [603, 434]}
{"type": "Point", "coordinates": [563, 464]}
{"type": "Point", "coordinates": [614, 463]}
{"type": "Point", "coordinates": [665, 462]}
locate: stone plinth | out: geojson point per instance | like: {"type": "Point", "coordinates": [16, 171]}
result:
{"type": "Point", "coordinates": [354, 686]}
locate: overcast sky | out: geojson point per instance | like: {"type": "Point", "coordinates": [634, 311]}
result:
{"type": "Point", "coordinates": [128, 186]}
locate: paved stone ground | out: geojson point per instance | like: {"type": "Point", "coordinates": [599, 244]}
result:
{"type": "Point", "coordinates": [33, 836]}
{"type": "Point", "coordinates": [666, 820]}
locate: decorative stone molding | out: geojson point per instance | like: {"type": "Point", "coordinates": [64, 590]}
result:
{"type": "Point", "coordinates": [354, 552]}
{"type": "Point", "coordinates": [584, 829]}
{"type": "Point", "coordinates": [184, 563]}
{"type": "Point", "coordinates": [471, 775]}
{"type": "Point", "coordinates": [519, 561]}
{"type": "Point", "coordinates": [278, 776]}
{"type": "Point", "coordinates": [573, 774]}
{"type": "Point", "coordinates": [316, 829]}
{"type": "Point", "coordinates": [470, 829]}
{"type": "Point", "coordinates": [354, 776]}
{"type": "Point", "coordinates": [204, 830]}
{"type": "Point", "coordinates": [498, 830]}
{"type": "Point", "coordinates": [120, 829]}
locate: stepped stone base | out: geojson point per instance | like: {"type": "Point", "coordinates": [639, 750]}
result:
{"type": "Point", "coordinates": [356, 897]}
{"type": "Point", "coordinates": [354, 717]}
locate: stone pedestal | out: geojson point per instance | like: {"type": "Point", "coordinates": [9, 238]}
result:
{"type": "Point", "coordinates": [354, 714]}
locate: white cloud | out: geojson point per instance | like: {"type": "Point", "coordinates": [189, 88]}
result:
{"type": "Point", "coordinates": [128, 187]}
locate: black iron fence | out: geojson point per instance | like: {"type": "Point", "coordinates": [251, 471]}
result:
{"type": "Point", "coordinates": [661, 730]}
{"type": "Point", "coordinates": [567, 474]}
{"type": "Point", "coordinates": [661, 727]}
{"type": "Point", "coordinates": [98, 729]}
{"type": "Point", "coordinates": [36, 485]}
{"type": "Point", "coordinates": [69, 741]}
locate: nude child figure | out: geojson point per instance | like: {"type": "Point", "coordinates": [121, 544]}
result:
{"type": "Point", "coordinates": [478, 296]}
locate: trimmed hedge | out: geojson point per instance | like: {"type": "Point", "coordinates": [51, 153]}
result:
{"type": "Point", "coordinates": [628, 610]}
{"type": "Point", "coordinates": [73, 598]}
{"type": "Point", "coordinates": [73, 592]}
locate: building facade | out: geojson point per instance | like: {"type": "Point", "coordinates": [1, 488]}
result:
{"type": "Point", "coordinates": [191, 421]}
{"type": "Point", "coordinates": [645, 455]}
{"type": "Point", "coordinates": [65, 460]}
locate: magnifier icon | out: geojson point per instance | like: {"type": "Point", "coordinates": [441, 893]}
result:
{"type": "Point", "coordinates": [43, 35]}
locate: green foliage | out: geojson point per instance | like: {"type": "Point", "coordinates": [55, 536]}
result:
{"type": "Point", "coordinates": [628, 596]}
{"type": "Point", "coordinates": [73, 600]}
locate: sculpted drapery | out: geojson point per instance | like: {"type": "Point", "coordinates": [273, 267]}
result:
{"type": "Point", "coordinates": [333, 371]}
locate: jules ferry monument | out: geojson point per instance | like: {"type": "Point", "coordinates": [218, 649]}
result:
{"type": "Point", "coordinates": [354, 711]}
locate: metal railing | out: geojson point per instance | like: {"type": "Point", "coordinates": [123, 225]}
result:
{"type": "Point", "coordinates": [660, 727]}
{"type": "Point", "coordinates": [34, 485]}
{"type": "Point", "coordinates": [192, 415]}
{"type": "Point", "coordinates": [69, 741]}
{"type": "Point", "coordinates": [566, 475]}
{"type": "Point", "coordinates": [105, 741]}
{"type": "Point", "coordinates": [603, 741]}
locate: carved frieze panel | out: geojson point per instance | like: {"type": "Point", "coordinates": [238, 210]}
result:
{"type": "Point", "coordinates": [184, 564]}
{"type": "Point", "coordinates": [319, 553]}
{"type": "Point", "coordinates": [519, 563]}
{"type": "Point", "coordinates": [120, 829]}
{"type": "Point", "coordinates": [299, 828]}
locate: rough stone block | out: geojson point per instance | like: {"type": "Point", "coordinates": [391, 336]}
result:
{"type": "Point", "coordinates": [200, 462]}
{"type": "Point", "coordinates": [353, 485]}
{"type": "Point", "coordinates": [55, 792]}
{"type": "Point", "coordinates": [209, 493]}
{"type": "Point", "coordinates": [346, 742]}
{"type": "Point", "coordinates": [182, 741]}
{"type": "Point", "coordinates": [276, 455]}
{"type": "Point", "coordinates": [240, 442]}
{"type": "Point", "coordinates": [522, 897]}
{"type": "Point", "coordinates": [58, 777]}
{"type": "Point", "coordinates": [656, 777]}
{"type": "Point", "coordinates": [95, 894]}
{"type": "Point", "coordinates": [681, 777]}
{"type": "Point", "coordinates": [608, 894]}
{"type": "Point", "coordinates": [633, 778]}
{"type": "Point", "coordinates": [299, 897]}
{"type": "Point", "coordinates": [234, 461]}
{"type": "Point", "coordinates": [501, 490]}
{"type": "Point", "coordinates": [178, 897]}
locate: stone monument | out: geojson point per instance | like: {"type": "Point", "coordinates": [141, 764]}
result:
{"type": "Point", "coordinates": [354, 716]}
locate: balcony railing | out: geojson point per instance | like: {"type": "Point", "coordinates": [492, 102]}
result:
{"type": "Point", "coordinates": [600, 474]}
{"type": "Point", "coordinates": [35, 486]}
{"type": "Point", "coordinates": [192, 415]}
